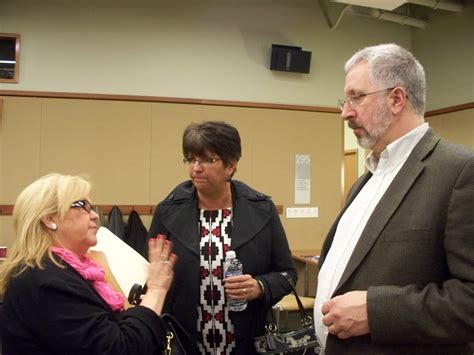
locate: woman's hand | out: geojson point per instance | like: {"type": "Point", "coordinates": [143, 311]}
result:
{"type": "Point", "coordinates": [160, 272]}
{"type": "Point", "coordinates": [243, 287]}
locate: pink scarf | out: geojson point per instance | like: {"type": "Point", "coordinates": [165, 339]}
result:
{"type": "Point", "coordinates": [91, 271]}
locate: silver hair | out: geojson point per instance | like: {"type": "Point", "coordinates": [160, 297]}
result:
{"type": "Point", "coordinates": [390, 66]}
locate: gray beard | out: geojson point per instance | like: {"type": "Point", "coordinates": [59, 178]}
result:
{"type": "Point", "coordinates": [380, 126]}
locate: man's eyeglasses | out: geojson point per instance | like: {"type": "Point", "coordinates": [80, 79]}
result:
{"type": "Point", "coordinates": [86, 205]}
{"type": "Point", "coordinates": [357, 98]}
{"type": "Point", "coordinates": [204, 161]}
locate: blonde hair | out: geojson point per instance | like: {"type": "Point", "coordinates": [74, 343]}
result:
{"type": "Point", "coordinates": [51, 194]}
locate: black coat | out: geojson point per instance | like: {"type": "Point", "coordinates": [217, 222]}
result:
{"type": "Point", "coordinates": [259, 241]}
{"type": "Point", "coordinates": [56, 311]}
{"type": "Point", "coordinates": [136, 233]}
{"type": "Point", "coordinates": [115, 222]}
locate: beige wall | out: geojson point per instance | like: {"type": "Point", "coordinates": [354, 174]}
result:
{"type": "Point", "coordinates": [457, 127]}
{"type": "Point", "coordinates": [132, 153]}
{"type": "Point", "coordinates": [446, 50]}
{"type": "Point", "coordinates": [350, 142]}
{"type": "Point", "coordinates": [210, 49]}
{"type": "Point", "coordinates": [221, 49]}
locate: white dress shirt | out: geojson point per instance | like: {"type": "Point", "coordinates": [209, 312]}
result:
{"type": "Point", "coordinates": [354, 219]}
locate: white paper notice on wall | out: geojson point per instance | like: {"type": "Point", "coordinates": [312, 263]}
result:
{"type": "Point", "coordinates": [302, 179]}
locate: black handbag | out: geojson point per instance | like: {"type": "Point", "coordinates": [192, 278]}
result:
{"type": "Point", "coordinates": [299, 341]}
{"type": "Point", "coordinates": [178, 341]}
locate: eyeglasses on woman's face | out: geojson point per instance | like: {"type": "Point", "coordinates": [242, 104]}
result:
{"type": "Point", "coordinates": [84, 204]}
{"type": "Point", "coordinates": [356, 99]}
{"type": "Point", "coordinates": [203, 161]}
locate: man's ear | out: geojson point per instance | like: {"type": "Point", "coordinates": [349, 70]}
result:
{"type": "Point", "coordinates": [398, 100]}
{"type": "Point", "coordinates": [49, 221]}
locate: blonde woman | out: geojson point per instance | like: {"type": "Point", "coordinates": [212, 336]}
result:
{"type": "Point", "coordinates": [56, 300]}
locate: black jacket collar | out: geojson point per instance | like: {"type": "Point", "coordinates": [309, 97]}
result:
{"type": "Point", "coordinates": [250, 210]}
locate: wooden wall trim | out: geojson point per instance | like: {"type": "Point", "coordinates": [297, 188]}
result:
{"type": "Point", "coordinates": [91, 96]}
{"type": "Point", "coordinates": [177, 100]}
{"type": "Point", "coordinates": [450, 109]}
{"type": "Point", "coordinates": [6, 210]}
{"type": "Point", "coordinates": [144, 210]}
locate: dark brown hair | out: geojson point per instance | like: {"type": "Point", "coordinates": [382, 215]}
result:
{"type": "Point", "coordinates": [215, 137]}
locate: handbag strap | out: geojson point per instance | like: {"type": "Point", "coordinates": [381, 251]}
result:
{"type": "Point", "coordinates": [176, 331]}
{"type": "Point", "coordinates": [305, 318]}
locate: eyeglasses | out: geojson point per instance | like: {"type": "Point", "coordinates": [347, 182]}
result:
{"type": "Point", "coordinates": [86, 205]}
{"type": "Point", "coordinates": [357, 98]}
{"type": "Point", "coordinates": [204, 161]}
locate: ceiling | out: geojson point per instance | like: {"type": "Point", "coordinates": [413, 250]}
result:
{"type": "Point", "coordinates": [414, 13]}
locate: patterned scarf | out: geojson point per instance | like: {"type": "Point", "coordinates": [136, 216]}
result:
{"type": "Point", "coordinates": [91, 271]}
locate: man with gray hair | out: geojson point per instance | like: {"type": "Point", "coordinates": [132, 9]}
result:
{"type": "Point", "coordinates": [397, 267]}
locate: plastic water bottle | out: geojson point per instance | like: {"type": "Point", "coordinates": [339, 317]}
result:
{"type": "Point", "coordinates": [233, 267]}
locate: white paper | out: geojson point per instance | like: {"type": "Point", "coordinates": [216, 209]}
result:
{"type": "Point", "coordinates": [127, 265]}
{"type": "Point", "coordinates": [302, 179]}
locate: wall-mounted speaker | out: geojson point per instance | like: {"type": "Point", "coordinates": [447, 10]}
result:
{"type": "Point", "coordinates": [289, 58]}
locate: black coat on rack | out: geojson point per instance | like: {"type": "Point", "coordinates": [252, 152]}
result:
{"type": "Point", "coordinates": [115, 222]}
{"type": "Point", "coordinates": [136, 233]}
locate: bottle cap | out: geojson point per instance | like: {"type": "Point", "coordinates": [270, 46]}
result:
{"type": "Point", "coordinates": [230, 254]}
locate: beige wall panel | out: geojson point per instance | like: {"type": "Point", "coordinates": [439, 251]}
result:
{"type": "Point", "coordinates": [109, 141]}
{"type": "Point", "coordinates": [457, 127]}
{"type": "Point", "coordinates": [20, 158]}
{"type": "Point", "coordinates": [132, 152]}
{"type": "Point", "coordinates": [277, 137]}
{"type": "Point", "coordinates": [167, 167]}
{"type": "Point", "coordinates": [20, 132]}
{"type": "Point", "coordinates": [350, 171]}
{"type": "Point", "coordinates": [7, 236]}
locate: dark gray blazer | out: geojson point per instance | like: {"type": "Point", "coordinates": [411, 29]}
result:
{"type": "Point", "coordinates": [416, 257]}
{"type": "Point", "coordinates": [259, 241]}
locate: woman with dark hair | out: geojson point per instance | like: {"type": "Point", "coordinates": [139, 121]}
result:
{"type": "Point", "coordinates": [204, 218]}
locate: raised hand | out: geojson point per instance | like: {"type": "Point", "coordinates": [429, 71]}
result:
{"type": "Point", "coordinates": [160, 272]}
